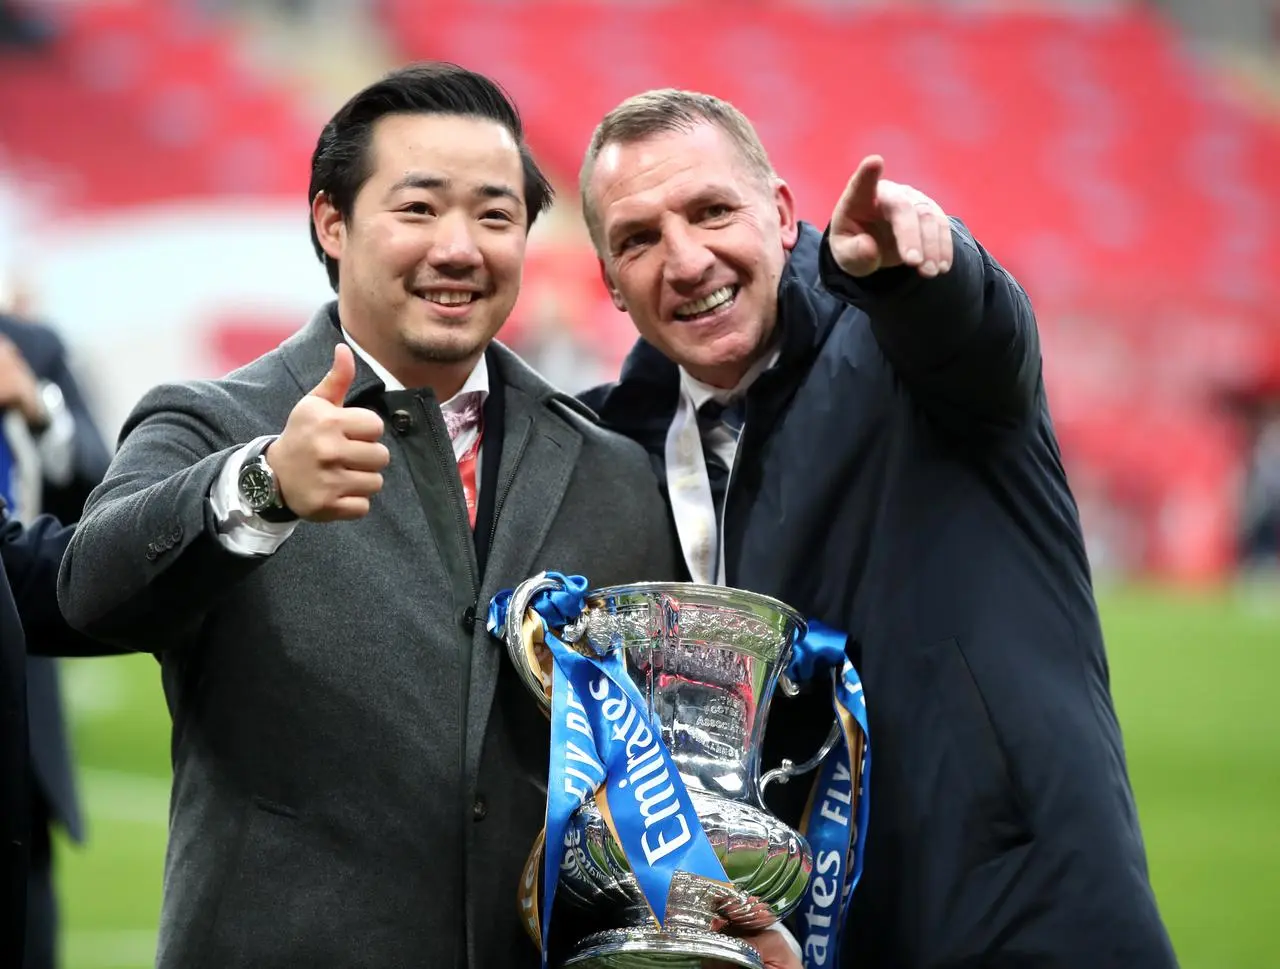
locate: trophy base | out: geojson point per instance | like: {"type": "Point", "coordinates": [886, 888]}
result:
{"type": "Point", "coordinates": [654, 948]}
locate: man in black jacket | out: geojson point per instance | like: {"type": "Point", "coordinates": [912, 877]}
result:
{"type": "Point", "coordinates": [51, 457]}
{"type": "Point", "coordinates": [29, 560]}
{"type": "Point", "coordinates": [21, 30]}
{"type": "Point", "coordinates": [872, 401]}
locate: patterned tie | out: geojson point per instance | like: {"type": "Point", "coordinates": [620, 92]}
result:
{"type": "Point", "coordinates": [715, 417]}
{"type": "Point", "coordinates": [463, 414]}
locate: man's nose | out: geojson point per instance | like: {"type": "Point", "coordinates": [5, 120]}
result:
{"type": "Point", "coordinates": [688, 261]}
{"type": "Point", "coordinates": [454, 245]}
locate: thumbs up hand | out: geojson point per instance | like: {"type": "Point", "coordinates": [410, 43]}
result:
{"type": "Point", "coordinates": [878, 224]}
{"type": "Point", "coordinates": [328, 461]}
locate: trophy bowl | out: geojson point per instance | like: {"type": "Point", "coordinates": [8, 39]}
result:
{"type": "Point", "coordinates": [707, 660]}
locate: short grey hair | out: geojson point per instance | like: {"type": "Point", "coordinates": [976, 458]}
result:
{"type": "Point", "coordinates": [662, 111]}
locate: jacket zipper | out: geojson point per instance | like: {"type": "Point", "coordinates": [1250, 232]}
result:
{"type": "Point", "coordinates": [722, 551]}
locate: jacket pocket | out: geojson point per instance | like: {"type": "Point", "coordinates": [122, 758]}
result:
{"type": "Point", "coordinates": [961, 761]}
{"type": "Point", "coordinates": [275, 906]}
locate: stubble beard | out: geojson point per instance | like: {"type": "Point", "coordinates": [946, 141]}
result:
{"type": "Point", "coordinates": [443, 351]}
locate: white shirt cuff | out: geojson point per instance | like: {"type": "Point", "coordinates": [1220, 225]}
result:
{"type": "Point", "coordinates": [239, 529]}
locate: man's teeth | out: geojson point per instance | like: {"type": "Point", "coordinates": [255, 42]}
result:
{"type": "Point", "coordinates": [708, 302]}
{"type": "Point", "coordinates": [447, 297]}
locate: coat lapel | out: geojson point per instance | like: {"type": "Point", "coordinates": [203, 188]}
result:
{"type": "Point", "coordinates": [539, 452]}
{"type": "Point", "coordinates": [308, 355]}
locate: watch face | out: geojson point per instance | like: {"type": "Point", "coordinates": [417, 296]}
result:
{"type": "Point", "coordinates": [257, 487]}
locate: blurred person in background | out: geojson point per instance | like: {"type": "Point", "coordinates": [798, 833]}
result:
{"type": "Point", "coordinates": [855, 423]}
{"type": "Point", "coordinates": [51, 456]}
{"type": "Point", "coordinates": [29, 620]}
{"type": "Point", "coordinates": [21, 28]}
{"type": "Point", "coordinates": [1261, 516]}
{"type": "Point", "coordinates": [359, 774]}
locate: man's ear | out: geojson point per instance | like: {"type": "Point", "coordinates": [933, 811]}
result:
{"type": "Point", "coordinates": [330, 228]}
{"type": "Point", "coordinates": [785, 202]}
{"type": "Point", "coordinates": [609, 285]}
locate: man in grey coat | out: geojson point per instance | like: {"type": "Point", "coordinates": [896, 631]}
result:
{"type": "Point", "coordinates": [306, 546]}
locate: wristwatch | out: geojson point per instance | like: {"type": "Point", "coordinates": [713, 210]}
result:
{"type": "Point", "coordinates": [52, 406]}
{"type": "Point", "coordinates": [259, 488]}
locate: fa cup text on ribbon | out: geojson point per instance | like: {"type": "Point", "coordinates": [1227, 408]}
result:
{"type": "Point", "coordinates": [576, 719]}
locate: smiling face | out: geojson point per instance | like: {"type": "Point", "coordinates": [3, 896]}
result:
{"type": "Point", "coordinates": [430, 258]}
{"type": "Point", "coordinates": [692, 244]}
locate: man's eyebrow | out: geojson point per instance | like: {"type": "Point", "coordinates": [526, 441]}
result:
{"type": "Point", "coordinates": [491, 191]}
{"type": "Point", "coordinates": [621, 230]}
{"type": "Point", "coordinates": [438, 183]}
{"type": "Point", "coordinates": [420, 180]}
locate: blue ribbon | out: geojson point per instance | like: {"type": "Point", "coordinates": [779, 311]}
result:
{"type": "Point", "coordinates": [835, 829]}
{"type": "Point", "coordinates": [604, 741]}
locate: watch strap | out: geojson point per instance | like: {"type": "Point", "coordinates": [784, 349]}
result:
{"type": "Point", "coordinates": [257, 448]}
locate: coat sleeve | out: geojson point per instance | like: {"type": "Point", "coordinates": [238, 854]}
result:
{"type": "Point", "coordinates": [31, 557]}
{"type": "Point", "coordinates": [145, 566]}
{"type": "Point", "coordinates": [964, 343]}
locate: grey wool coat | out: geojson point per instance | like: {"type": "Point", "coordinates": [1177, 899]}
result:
{"type": "Point", "coordinates": [358, 773]}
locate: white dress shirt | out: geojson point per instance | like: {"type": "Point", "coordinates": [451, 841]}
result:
{"type": "Point", "coordinates": [244, 533]}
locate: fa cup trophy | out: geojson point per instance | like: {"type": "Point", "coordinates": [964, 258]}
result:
{"type": "Point", "coordinates": [658, 695]}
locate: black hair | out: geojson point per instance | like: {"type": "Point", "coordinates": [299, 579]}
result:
{"type": "Point", "coordinates": [340, 164]}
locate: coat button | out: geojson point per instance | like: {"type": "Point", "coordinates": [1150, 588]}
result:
{"type": "Point", "coordinates": [479, 809]}
{"type": "Point", "coordinates": [401, 421]}
{"type": "Point", "coordinates": [469, 619]}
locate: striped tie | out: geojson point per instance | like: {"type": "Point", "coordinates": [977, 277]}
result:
{"type": "Point", "coordinates": [716, 418]}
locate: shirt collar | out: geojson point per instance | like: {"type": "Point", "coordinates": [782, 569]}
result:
{"type": "Point", "coordinates": [477, 380]}
{"type": "Point", "coordinates": [699, 392]}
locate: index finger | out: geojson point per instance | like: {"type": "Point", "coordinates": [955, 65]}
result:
{"type": "Point", "coordinates": [866, 180]}
{"type": "Point", "coordinates": [860, 194]}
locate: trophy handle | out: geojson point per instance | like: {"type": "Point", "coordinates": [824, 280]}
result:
{"type": "Point", "coordinates": [530, 673]}
{"type": "Point", "coordinates": [786, 686]}
{"type": "Point", "coordinates": [788, 768]}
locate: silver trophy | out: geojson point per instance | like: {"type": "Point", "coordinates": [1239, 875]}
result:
{"type": "Point", "coordinates": [707, 660]}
